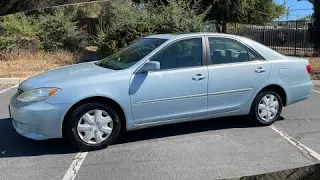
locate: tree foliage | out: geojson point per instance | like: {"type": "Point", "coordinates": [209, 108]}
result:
{"type": "Point", "coordinates": [17, 30]}
{"type": "Point", "coordinates": [123, 22]}
{"type": "Point", "coordinates": [242, 11]}
{"type": "Point", "coordinates": [59, 31]}
{"type": "Point", "coordinates": [49, 29]}
{"type": "Point", "coordinates": [14, 6]}
{"type": "Point", "coordinates": [239, 11]}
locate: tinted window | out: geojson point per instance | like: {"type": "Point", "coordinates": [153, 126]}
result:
{"type": "Point", "coordinates": [223, 50]}
{"type": "Point", "coordinates": [184, 53]}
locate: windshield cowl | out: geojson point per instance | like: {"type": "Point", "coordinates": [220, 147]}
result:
{"type": "Point", "coordinates": [106, 66]}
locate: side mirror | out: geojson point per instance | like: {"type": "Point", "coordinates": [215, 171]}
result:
{"type": "Point", "coordinates": [149, 66]}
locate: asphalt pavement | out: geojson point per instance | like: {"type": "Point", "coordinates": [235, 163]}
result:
{"type": "Point", "coordinates": [210, 149]}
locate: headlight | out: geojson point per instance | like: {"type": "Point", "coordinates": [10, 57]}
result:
{"type": "Point", "coordinates": [38, 94]}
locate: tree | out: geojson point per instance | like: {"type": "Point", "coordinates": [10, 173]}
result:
{"type": "Point", "coordinates": [236, 11]}
{"type": "Point", "coordinates": [316, 24]}
{"type": "Point", "coordinates": [122, 23]}
{"type": "Point", "coordinates": [240, 11]}
{"type": "Point", "coordinates": [13, 6]}
{"type": "Point", "coordinates": [316, 16]}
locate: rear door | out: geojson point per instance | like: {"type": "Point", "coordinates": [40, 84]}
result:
{"type": "Point", "coordinates": [235, 73]}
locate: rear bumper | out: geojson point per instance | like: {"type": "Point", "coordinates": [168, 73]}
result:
{"type": "Point", "coordinates": [38, 120]}
{"type": "Point", "coordinates": [299, 93]}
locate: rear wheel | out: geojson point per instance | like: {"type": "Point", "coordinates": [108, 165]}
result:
{"type": "Point", "coordinates": [93, 126]}
{"type": "Point", "coordinates": [266, 108]}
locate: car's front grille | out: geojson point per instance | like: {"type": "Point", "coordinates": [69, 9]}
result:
{"type": "Point", "coordinates": [19, 91]}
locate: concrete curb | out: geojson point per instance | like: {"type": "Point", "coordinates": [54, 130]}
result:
{"type": "Point", "coordinates": [316, 82]}
{"type": "Point", "coordinates": [9, 81]}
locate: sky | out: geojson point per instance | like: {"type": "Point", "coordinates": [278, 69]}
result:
{"type": "Point", "coordinates": [297, 9]}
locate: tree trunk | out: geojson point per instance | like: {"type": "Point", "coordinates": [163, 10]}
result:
{"type": "Point", "coordinates": [316, 5]}
{"type": "Point", "coordinates": [226, 15]}
{"type": "Point", "coordinates": [224, 27]}
{"type": "Point", "coordinates": [218, 28]}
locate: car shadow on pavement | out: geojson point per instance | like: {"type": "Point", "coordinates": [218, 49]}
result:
{"type": "Point", "coordinates": [187, 128]}
{"type": "Point", "coordinates": [14, 145]}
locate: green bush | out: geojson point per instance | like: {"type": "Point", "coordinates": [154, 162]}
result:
{"type": "Point", "coordinates": [179, 16]}
{"type": "Point", "coordinates": [18, 33]}
{"type": "Point", "coordinates": [17, 24]}
{"type": "Point", "coordinates": [48, 30]}
{"type": "Point", "coordinates": [7, 43]}
{"type": "Point", "coordinates": [60, 32]}
{"type": "Point", "coordinates": [123, 22]}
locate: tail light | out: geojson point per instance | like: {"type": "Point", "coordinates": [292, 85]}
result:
{"type": "Point", "coordinates": [309, 68]}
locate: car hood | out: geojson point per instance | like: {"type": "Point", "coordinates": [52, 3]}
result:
{"type": "Point", "coordinates": [64, 75]}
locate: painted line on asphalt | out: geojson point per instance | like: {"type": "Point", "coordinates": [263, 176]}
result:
{"type": "Point", "coordinates": [11, 87]}
{"type": "Point", "coordinates": [304, 149]}
{"type": "Point", "coordinates": [316, 91]}
{"type": "Point", "coordinates": [75, 166]}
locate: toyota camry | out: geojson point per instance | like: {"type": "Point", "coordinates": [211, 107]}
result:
{"type": "Point", "coordinates": [158, 80]}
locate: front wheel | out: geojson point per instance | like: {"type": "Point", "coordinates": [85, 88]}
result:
{"type": "Point", "coordinates": [266, 108]}
{"type": "Point", "coordinates": [93, 126]}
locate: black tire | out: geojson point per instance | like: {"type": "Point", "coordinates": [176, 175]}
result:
{"type": "Point", "coordinates": [70, 126]}
{"type": "Point", "coordinates": [254, 116]}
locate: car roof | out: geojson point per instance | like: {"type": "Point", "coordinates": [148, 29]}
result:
{"type": "Point", "coordinates": [176, 36]}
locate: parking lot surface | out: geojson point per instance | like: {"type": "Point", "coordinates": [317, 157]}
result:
{"type": "Point", "coordinates": [216, 148]}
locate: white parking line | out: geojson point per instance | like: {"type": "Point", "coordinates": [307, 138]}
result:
{"type": "Point", "coordinates": [75, 166]}
{"type": "Point", "coordinates": [77, 161]}
{"type": "Point", "coordinates": [316, 91]}
{"type": "Point", "coordinates": [304, 149]}
{"type": "Point", "coordinates": [11, 87]}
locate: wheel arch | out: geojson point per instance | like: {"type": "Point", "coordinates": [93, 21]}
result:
{"type": "Point", "coordinates": [100, 99]}
{"type": "Point", "coordinates": [279, 89]}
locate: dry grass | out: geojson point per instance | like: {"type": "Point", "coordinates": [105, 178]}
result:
{"type": "Point", "coordinates": [315, 63]}
{"type": "Point", "coordinates": [29, 64]}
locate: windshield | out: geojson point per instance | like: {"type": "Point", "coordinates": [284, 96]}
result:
{"type": "Point", "coordinates": [131, 54]}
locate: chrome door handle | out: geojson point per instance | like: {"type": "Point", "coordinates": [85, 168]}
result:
{"type": "Point", "coordinates": [260, 70]}
{"type": "Point", "coordinates": [198, 77]}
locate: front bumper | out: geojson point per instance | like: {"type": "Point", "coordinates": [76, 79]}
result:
{"type": "Point", "coordinates": [37, 120]}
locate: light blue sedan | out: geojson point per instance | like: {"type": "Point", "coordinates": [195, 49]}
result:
{"type": "Point", "coordinates": [160, 79]}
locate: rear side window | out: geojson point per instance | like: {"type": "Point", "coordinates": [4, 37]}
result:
{"type": "Point", "coordinates": [224, 50]}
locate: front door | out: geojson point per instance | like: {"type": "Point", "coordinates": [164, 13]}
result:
{"type": "Point", "coordinates": [178, 90]}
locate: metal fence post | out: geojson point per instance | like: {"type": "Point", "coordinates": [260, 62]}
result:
{"type": "Point", "coordinates": [264, 34]}
{"type": "Point", "coordinates": [295, 39]}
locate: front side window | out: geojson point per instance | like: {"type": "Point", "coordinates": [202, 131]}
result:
{"type": "Point", "coordinates": [184, 53]}
{"type": "Point", "coordinates": [223, 50]}
{"type": "Point", "coordinates": [131, 54]}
